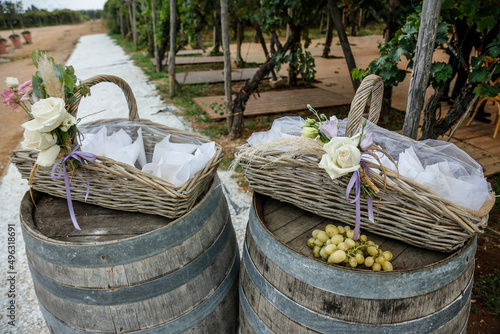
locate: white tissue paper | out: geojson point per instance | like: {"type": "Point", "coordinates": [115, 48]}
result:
{"type": "Point", "coordinates": [117, 146]}
{"type": "Point", "coordinates": [173, 162]}
{"type": "Point", "coordinates": [177, 163]}
{"type": "Point", "coordinates": [439, 166]}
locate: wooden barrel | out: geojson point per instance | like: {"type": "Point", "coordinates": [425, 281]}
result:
{"type": "Point", "coordinates": [131, 272]}
{"type": "Point", "coordinates": [284, 289]}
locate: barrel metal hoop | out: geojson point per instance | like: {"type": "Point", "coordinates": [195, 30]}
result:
{"type": "Point", "coordinates": [337, 280]}
{"type": "Point", "coordinates": [132, 249]}
{"type": "Point", "coordinates": [252, 318]}
{"type": "Point", "coordinates": [324, 324]}
{"type": "Point", "coordinates": [139, 292]}
{"type": "Point", "coordinates": [178, 325]}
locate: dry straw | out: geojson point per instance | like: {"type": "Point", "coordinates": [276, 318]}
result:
{"type": "Point", "coordinates": [119, 186]}
{"type": "Point", "coordinates": [53, 86]}
{"type": "Point", "coordinates": [287, 169]}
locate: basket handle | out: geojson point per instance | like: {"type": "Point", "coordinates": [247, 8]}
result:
{"type": "Point", "coordinates": [133, 115]}
{"type": "Point", "coordinates": [373, 85]}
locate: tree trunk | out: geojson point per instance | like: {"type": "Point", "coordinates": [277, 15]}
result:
{"type": "Point", "coordinates": [288, 32]}
{"type": "Point", "coordinates": [227, 59]}
{"type": "Point", "coordinates": [252, 85]}
{"type": "Point", "coordinates": [422, 66]}
{"type": "Point", "coordinates": [151, 47]}
{"type": "Point", "coordinates": [155, 44]}
{"type": "Point", "coordinates": [355, 22]}
{"type": "Point", "coordinates": [171, 54]}
{"type": "Point", "coordinates": [329, 36]}
{"type": "Point", "coordinates": [262, 41]}
{"type": "Point", "coordinates": [292, 69]}
{"type": "Point", "coordinates": [433, 127]}
{"type": "Point", "coordinates": [344, 42]}
{"type": "Point", "coordinates": [321, 23]}
{"type": "Point", "coordinates": [259, 37]}
{"type": "Point", "coordinates": [199, 41]}
{"type": "Point", "coordinates": [389, 33]}
{"type": "Point", "coordinates": [131, 12]}
{"type": "Point", "coordinates": [122, 28]}
{"type": "Point", "coordinates": [240, 34]}
{"type": "Point", "coordinates": [217, 32]}
{"type": "Point", "coordinates": [385, 111]}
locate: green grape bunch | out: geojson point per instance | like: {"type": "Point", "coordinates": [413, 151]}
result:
{"type": "Point", "coordinates": [336, 245]}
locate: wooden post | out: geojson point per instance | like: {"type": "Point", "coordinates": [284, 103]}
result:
{"type": "Point", "coordinates": [171, 55]}
{"type": "Point", "coordinates": [227, 61]}
{"type": "Point", "coordinates": [422, 65]}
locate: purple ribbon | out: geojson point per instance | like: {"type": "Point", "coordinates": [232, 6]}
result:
{"type": "Point", "coordinates": [368, 198]}
{"type": "Point", "coordinates": [78, 156]}
{"type": "Point", "coordinates": [356, 181]}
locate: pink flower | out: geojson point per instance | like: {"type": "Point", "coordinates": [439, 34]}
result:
{"type": "Point", "coordinates": [367, 141]}
{"type": "Point", "coordinates": [330, 128]}
{"type": "Point", "coordinates": [10, 99]}
{"type": "Point", "coordinates": [25, 88]}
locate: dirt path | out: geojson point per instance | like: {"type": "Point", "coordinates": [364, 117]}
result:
{"type": "Point", "coordinates": [59, 42]}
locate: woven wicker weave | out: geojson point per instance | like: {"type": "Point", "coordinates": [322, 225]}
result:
{"type": "Point", "coordinates": [408, 211]}
{"type": "Point", "coordinates": [119, 186]}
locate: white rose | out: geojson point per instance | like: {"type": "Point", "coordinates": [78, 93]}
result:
{"type": "Point", "coordinates": [343, 156]}
{"type": "Point", "coordinates": [48, 114]}
{"type": "Point", "coordinates": [38, 140]}
{"type": "Point", "coordinates": [68, 122]}
{"type": "Point", "coordinates": [11, 82]}
{"type": "Point", "coordinates": [46, 158]}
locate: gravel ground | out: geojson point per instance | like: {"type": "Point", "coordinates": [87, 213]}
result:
{"type": "Point", "coordinates": [94, 55]}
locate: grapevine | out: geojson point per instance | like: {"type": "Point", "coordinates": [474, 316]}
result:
{"type": "Point", "coordinates": [335, 245]}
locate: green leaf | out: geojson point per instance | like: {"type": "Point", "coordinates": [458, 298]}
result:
{"type": "Point", "coordinates": [442, 33]}
{"type": "Point", "coordinates": [396, 56]}
{"type": "Point", "coordinates": [36, 82]}
{"type": "Point", "coordinates": [479, 75]}
{"type": "Point", "coordinates": [35, 55]}
{"type": "Point", "coordinates": [440, 74]}
{"type": "Point", "coordinates": [494, 47]}
{"type": "Point", "coordinates": [486, 90]}
{"type": "Point", "coordinates": [72, 131]}
{"type": "Point", "coordinates": [477, 62]}
{"type": "Point", "coordinates": [358, 73]}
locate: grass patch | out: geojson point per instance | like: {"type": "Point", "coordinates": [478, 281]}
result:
{"type": "Point", "coordinates": [394, 121]}
{"type": "Point", "coordinates": [215, 129]}
{"type": "Point", "coordinates": [487, 288]}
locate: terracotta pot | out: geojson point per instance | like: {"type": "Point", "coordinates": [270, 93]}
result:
{"type": "Point", "coordinates": [3, 47]}
{"type": "Point", "coordinates": [27, 38]}
{"type": "Point", "coordinates": [17, 42]}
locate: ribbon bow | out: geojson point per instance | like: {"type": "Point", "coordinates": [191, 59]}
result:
{"type": "Point", "coordinates": [356, 181]}
{"type": "Point", "coordinates": [78, 156]}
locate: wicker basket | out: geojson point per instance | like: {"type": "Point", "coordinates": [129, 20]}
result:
{"type": "Point", "coordinates": [119, 186]}
{"type": "Point", "coordinates": [407, 211]}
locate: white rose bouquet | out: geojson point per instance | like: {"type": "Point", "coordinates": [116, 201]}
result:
{"type": "Point", "coordinates": [51, 127]}
{"type": "Point", "coordinates": [344, 156]}
{"type": "Point", "coordinates": [45, 99]}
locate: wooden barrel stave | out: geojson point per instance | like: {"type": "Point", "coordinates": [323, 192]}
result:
{"type": "Point", "coordinates": [117, 264]}
{"type": "Point", "coordinates": [431, 299]}
{"type": "Point", "coordinates": [181, 278]}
